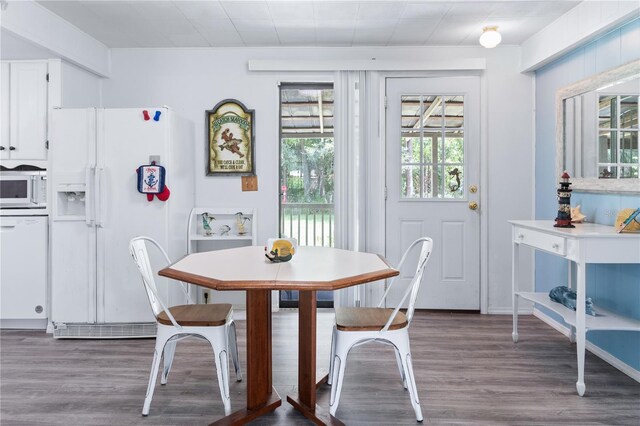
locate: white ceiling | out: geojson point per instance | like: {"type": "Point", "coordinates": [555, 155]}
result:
{"type": "Point", "coordinates": [215, 23]}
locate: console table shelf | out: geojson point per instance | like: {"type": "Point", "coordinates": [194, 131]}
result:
{"type": "Point", "coordinates": [604, 319]}
{"type": "Point", "coordinates": [584, 244]}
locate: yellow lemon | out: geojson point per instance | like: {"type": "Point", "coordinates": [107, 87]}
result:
{"type": "Point", "coordinates": [284, 248]}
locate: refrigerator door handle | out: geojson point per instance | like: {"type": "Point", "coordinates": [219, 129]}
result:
{"type": "Point", "coordinates": [99, 219]}
{"type": "Point", "coordinates": [88, 206]}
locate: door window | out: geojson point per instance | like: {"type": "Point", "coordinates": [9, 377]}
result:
{"type": "Point", "coordinates": [306, 171]}
{"type": "Point", "coordinates": [432, 145]}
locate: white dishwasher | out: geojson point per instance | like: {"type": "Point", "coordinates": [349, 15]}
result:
{"type": "Point", "coordinates": [23, 272]}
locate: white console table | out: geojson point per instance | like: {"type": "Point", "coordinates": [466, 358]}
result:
{"type": "Point", "coordinates": [586, 243]}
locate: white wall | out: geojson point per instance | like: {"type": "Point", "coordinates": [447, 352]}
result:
{"type": "Point", "coordinates": [510, 169]}
{"type": "Point", "coordinates": [80, 88]}
{"type": "Point", "coordinates": [194, 80]}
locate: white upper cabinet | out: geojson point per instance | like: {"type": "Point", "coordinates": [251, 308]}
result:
{"type": "Point", "coordinates": [5, 116]}
{"type": "Point", "coordinates": [27, 111]}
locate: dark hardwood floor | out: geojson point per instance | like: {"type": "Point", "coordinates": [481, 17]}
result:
{"type": "Point", "coordinates": [467, 370]}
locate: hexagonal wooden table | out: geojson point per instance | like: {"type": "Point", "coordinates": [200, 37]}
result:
{"type": "Point", "coordinates": [311, 269]}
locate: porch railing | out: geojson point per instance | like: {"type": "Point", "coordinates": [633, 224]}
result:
{"type": "Point", "coordinates": [310, 224]}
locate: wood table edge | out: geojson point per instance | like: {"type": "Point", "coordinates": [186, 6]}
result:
{"type": "Point", "coordinates": [215, 284]}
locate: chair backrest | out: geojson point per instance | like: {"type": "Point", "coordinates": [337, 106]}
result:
{"type": "Point", "coordinates": [426, 247]}
{"type": "Point", "coordinates": [140, 255]}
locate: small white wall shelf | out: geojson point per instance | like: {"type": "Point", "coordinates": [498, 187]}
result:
{"type": "Point", "coordinates": [225, 219]}
{"type": "Point", "coordinates": [199, 241]}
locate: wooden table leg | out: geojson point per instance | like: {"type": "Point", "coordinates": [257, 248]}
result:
{"type": "Point", "coordinates": [305, 400]}
{"type": "Point", "coordinates": [262, 398]}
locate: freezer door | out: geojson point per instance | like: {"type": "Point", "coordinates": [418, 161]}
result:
{"type": "Point", "coordinates": [125, 141]}
{"type": "Point", "coordinates": [72, 152]}
{"type": "Point", "coordinates": [73, 272]}
{"type": "Point", "coordinates": [72, 144]}
{"type": "Point", "coordinates": [23, 276]}
{"type": "Point", "coordinates": [73, 236]}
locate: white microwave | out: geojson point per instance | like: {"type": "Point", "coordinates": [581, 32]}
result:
{"type": "Point", "coordinates": [23, 189]}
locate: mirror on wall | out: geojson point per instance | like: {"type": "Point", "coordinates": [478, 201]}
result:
{"type": "Point", "coordinates": [598, 134]}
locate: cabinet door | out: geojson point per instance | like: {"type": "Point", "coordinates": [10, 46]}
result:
{"type": "Point", "coordinates": [4, 110]}
{"type": "Point", "coordinates": [23, 276]}
{"type": "Point", "coordinates": [28, 110]}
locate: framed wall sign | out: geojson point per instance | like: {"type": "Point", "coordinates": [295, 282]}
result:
{"type": "Point", "coordinates": [230, 148]}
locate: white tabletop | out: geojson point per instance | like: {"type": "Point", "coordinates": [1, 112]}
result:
{"type": "Point", "coordinates": [313, 268]}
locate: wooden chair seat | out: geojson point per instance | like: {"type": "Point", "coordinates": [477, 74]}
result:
{"type": "Point", "coordinates": [197, 315]}
{"type": "Point", "coordinates": [367, 319]}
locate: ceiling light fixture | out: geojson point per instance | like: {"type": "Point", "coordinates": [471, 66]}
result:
{"type": "Point", "coordinates": [490, 37]}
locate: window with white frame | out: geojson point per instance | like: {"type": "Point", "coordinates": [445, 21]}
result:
{"type": "Point", "coordinates": [432, 144]}
{"type": "Point", "coordinates": [618, 137]}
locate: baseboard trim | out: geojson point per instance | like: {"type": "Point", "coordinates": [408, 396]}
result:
{"type": "Point", "coordinates": [596, 350]}
{"type": "Point", "coordinates": [24, 324]}
{"type": "Point", "coordinates": [509, 311]}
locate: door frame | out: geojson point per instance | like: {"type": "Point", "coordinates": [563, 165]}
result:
{"type": "Point", "coordinates": [376, 226]}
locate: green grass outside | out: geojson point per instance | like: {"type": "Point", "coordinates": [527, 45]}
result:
{"type": "Point", "coordinates": [305, 235]}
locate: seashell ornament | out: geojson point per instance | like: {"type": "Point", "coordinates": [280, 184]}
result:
{"type": "Point", "coordinates": [576, 215]}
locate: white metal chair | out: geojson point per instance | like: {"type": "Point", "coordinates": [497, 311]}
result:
{"type": "Point", "coordinates": [357, 326]}
{"type": "Point", "coordinates": [212, 322]}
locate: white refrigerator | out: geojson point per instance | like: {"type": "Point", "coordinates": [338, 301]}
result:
{"type": "Point", "coordinates": [96, 290]}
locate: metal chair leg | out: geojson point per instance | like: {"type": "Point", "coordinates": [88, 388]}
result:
{"type": "Point", "coordinates": [218, 343]}
{"type": "Point", "coordinates": [332, 356]}
{"type": "Point", "coordinates": [161, 340]}
{"type": "Point", "coordinates": [405, 356]}
{"type": "Point", "coordinates": [233, 347]}
{"type": "Point", "coordinates": [343, 345]}
{"type": "Point", "coordinates": [169, 352]}
{"type": "Point", "coordinates": [403, 377]}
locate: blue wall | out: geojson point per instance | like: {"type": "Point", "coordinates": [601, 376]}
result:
{"type": "Point", "coordinates": [615, 287]}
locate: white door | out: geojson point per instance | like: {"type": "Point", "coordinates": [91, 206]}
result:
{"type": "Point", "coordinates": [125, 142]}
{"type": "Point", "coordinates": [73, 232]}
{"type": "Point", "coordinates": [28, 110]}
{"type": "Point", "coordinates": [432, 179]}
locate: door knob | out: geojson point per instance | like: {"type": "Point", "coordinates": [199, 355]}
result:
{"type": "Point", "coordinates": [12, 148]}
{"type": "Point", "coordinates": [473, 189]}
{"type": "Point", "coordinates": [2, 148]}
{"type": "Point", "coordinates": [473, 205]}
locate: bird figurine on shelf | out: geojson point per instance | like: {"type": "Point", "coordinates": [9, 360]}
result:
{"type": "Point", "coordinates": [206, 223]}
{"type": "Point", "coordinates": [224, 230]}
{"type": "Point", "coordinates": [241, 219]}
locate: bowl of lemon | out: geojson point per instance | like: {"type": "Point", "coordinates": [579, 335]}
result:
{"type": "Point", "coordinates": [280, 249]}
